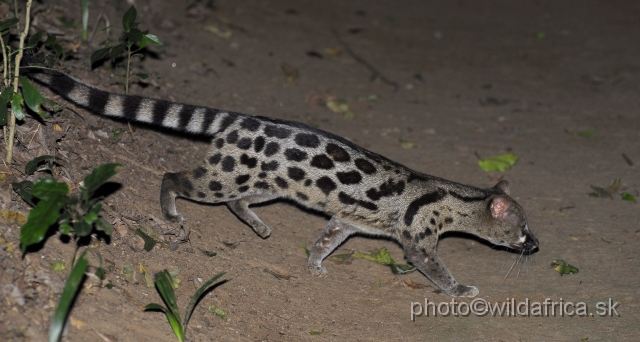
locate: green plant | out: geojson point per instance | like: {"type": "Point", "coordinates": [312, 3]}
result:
{"type": "Point", "coordinates": [66, 299]}
{"type": "Point", "coordinates": [16, 90]}
{"type": "Point", "coordinates": [164, 285]}
{"type": "Point", "coordinates": [53, 204]}
{"type": "Point", "coordinates": [132, 41]}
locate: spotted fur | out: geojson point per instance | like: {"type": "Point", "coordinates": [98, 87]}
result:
{"type": "Point", "coordinates": [253, 159]}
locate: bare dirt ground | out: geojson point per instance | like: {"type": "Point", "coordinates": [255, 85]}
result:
{"type": "Point", "coordinates": [485, 77]}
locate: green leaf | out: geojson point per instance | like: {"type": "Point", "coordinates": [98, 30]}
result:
{"type": "Point", "coordinates": [66, 299]}
{"type": "Point", "coordinates": [57, 266]}
{"type": "Point", "coordinates": [8, 23]}
{"type": "Point", "coordinates": [5, 97]}
{"type": "Point", "coordinates": [65, 227]}
{"type": "Point", "coordinates": [16, 106]}
{"type": "Point", "coordinates": [142, 75]}
{"type": "Point", "coordinates": [402, 268]}
{"type": "Point", "coordinates": [149, 243]}
{"type": "Point", "coordinates": [24, 189]}
{"type": "Point", "coordinates": [500, 162]}
{"type": "Point", "coordinates": [134, 35]}
{"type": "Point", "coordinates": [173, 320]}
{"type": "Point", "coordinates": [164, 284]}
{"type": "Point", "coordinates": [49, 188]}
{"type": "Point", "coordinates": [380, 256]}
{"type": "Point", "coordinates": [218, 311]}
{"type": "Point", "coordinates": [153, 39]}
{"type": "Point", "coordinates": [32, 166]}
{"type": "Point", "coordinates": [103, 225]}
{"type": "Point", "coordinates": [34, 40]}
{"type": "Point", "coordinates": [51, 41]}
{"type": "Point", "coordinates": [563, 268]}
{"type": "Point", "coordinates": [628, 197]}
{"type": "Point", "coordinates": [99, 54]}
{"type": "Point", "coordinates": [40, 218]}
{"type": "Point", "coordinates": [316, 332]}
{"type": "Point", "coordinates": [129, 18]}
{"type": "Point", "coordinates": [306, 250]}
{"type": "Point", "coordinates": [101, 273]}
{"type": "Point", "coordinates": [32, 96]}
{"type": "Point", "coordinates": [98, 177]}
{"type": "Point", "coordinates": [81, 228]}
{"type": "Point", "coordinates": [90, 218]}
{"type": "Point", "coordinates": [116, 51]}
{"type": "Point", "coordinates": [196, 297]}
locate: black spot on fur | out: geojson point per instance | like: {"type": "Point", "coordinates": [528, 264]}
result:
{"type": "Point", "coordinates": [215, 186]}
{"type": "Point", "coordinates": [215, 159]}
{"type": "Point", "coordinates": [448, 220]}
{"type": "Point", "coordinates": [248, 161]}
{"type": "Point", "coordinates": [432, 221]}
{"type": "Point", "coordinates": [326, 185]}
{"type": "Point", "coordinates": [308, 182]}
{"type": "Point", "coordinates": [218, 195]}
{"type": "Point", "coordinates": [406, 234]}
{"type": "Point", "coordinates": [321, 161]}
{"type": "Point", "coordinates": [228, 164]}
{"type": "Point", "coordinates": [250, 123]}
{"type": "Point", "coordinates": [337, 153]}
{"type": "Point", "coordinates": [242, 179]}
{"type": "Point", "coordinates": [232, 137]}
{"type": "Point", "coordinates": [418, 203]}
{"type": "Point", "coordinates": [244, 143]}
{"type": "Point", "coordinates": [219, 143]}
{"type": "Point", "coordinates": [262, 175]}
{"type": "Point", "coordinates": [351, 177]}
{"type": "Point", "coordinates": [295, 173]}
{"type": "Point", "coordinates": [201, 194]}
{"type": "Point", "coordinates": [302, 196]}
{"type": "Point", "coordinates": [258, 144]}
{"type": "Point", "coordinates": [270, 166]}
{"type": "Point", "coordinates": [307, 140]}
{"type": "Point", "coordinates": [365, 166]}
{"type": "Point", "coordinates": [261, 185]}
{"type": "Point", "coordinates": [281, 183]}
{"type": "Point", "coordinates": [346, 199]}
{"type": "Point", "coordinates": [437, 213]}
{"type": "Point", "coordinates": [271, 149]}
{"type": "Point", "coordinates": [388, 188]}
{"type": "Point", "coordinates": [275, 131]}
{"type": "Point", "coordinates": [440, 226]}
{"type": "Point", "coordinates": [243, 188]}
{"type": "Point", "coordinates": [199, 172]}
{"type": "Point", "coordinates": [295, 154]}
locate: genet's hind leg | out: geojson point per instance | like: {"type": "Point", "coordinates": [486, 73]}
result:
{"type": "Point", "coordinates": [174, 185]}
{"type": "Point", "coordinates": [240, 207]}
{"type": "Point", "coordinates": [332, 236]}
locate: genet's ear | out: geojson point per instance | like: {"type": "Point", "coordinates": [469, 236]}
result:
{"type": "Point", "coordinates": [500, 206]}
{"type": "Point", "coordinates": [503, 186]}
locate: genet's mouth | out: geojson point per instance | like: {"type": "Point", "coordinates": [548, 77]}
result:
{"type": "Point", "coordinates": [530, 242]}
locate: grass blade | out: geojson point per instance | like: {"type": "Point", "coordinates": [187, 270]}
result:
{"type": "Point", "coordinates": [66, 299]}
{"type": "Point", "coordinates": [196, 297]}
{"type": "Point", "coordinates": [165, 288]}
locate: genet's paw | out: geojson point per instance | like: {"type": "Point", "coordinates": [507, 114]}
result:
{"type": "Point", "coordinates": [318, 271]}
{"type": "Point", "coordinates": [174, 218]}
{"type": "Point", "coordinates": [464, 291]}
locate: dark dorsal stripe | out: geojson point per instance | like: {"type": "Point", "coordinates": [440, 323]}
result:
{"type": "Point", "coordinates": [468, 199]}
{"type": "Point", "coordinates": [420, 202]}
